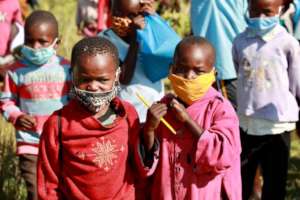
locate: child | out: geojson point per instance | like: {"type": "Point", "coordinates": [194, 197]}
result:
{"type": "Point", "coordinates": [92, 16]}
{"type": "Point", "coordinates": [202, 161]}
{"type": "Point", "coordinates": [267, 60]}
{"type": "Point", "coordinates": [35, 86]}
{"type": "Point", "coordinates": [85, 147]}
{"type": "Point", "coordinates": [86, 17]}
{"type": "Point", "coordinates": [128, 17]}
{"type": "Point", "coordinates": [220, 22]}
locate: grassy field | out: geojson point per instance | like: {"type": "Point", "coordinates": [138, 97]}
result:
{"type": "Point", "coordinates": [11, 185]}
{"type": "Point", "coordinates": [293, 184]}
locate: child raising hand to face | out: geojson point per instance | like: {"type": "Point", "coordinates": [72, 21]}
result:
{"type": "Point", "coordinates": [128, 18]}
{"type": "Point", "coordinates": [202, 160]}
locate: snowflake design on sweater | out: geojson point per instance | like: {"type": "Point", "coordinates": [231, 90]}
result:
{"type": "Point", "coordinates": [104, 153]}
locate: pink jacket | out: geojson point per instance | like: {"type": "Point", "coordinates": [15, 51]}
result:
{"type": "Point", "coordinates": [205, 168]}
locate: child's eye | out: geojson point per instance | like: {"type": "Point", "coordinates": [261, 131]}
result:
{"type": "Point", "coordinates": [103, 80]}
{"type": "Point", "coordinates": [178, 69]}
{"type": "Point", "coordinates": [84, 80]}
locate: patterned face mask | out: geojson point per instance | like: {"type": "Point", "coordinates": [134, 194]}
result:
{"type": "Point", "coordinates": [94, 101]}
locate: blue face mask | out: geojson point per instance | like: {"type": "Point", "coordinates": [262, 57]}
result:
{"type": "Point", "coordinates": [38, 56]}
{"type": "Point", "coordinates": [262, 26]}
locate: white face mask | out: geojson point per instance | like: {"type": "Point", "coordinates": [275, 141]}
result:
{"type": "Point", "coordinates": [95, 101]}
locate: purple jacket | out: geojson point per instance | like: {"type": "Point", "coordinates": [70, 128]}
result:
{"type": "Point", "coordinates": [205, 168]}
{"type": "Point", "coordinates": [268, 75]}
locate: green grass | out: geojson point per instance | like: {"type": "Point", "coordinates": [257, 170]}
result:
{"type": "Point", "coordinates": [293, 183]}
{"type": "Point", "coordinates": [11, 184]}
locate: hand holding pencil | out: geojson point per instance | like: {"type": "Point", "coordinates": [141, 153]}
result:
{"type": "Point", "coordinates": [155, 114]}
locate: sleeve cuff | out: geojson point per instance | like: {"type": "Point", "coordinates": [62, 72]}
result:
{"type": "Point", "coordinates": [149, 156]}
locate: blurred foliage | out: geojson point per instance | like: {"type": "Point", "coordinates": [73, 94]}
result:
{"type": "Point", "coordinates": [293, 182]}
{"type": "Point", "coordinates": [180, 21]}
{"type": "Point", "coordinates": [11, 184]}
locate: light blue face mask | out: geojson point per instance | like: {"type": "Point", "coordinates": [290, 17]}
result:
{"type": "Point", "coordinates": [38, 56]}
{"type": "Point", "coordinates": [262, 25]}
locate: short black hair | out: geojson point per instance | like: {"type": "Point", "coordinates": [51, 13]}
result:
{"type": "Point", "coordinates": [195, 40]}
{"type": "Point", "coordinates": [42, 16]}
{"type": "Point", "coordinates": [92, 46]}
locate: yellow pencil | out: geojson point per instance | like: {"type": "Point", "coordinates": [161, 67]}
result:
{"type": "Point", "coordinates": [161, 119]}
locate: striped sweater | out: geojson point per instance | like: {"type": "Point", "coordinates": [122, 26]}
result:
{"type": "Point", "coordinates": [37, 91]}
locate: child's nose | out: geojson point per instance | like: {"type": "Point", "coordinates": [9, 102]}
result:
{"type": "Point", "coordinates": [262, 15]}
{"type": "Point", "coordinates": [93, 86]}
{"type": "Point", "coordinates": [36, 45]}
{"type": "Point", "coordinates": [190, 75]}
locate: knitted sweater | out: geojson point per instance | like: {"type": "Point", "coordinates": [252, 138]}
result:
{"type": "Point", "coordinates": [37, 91]}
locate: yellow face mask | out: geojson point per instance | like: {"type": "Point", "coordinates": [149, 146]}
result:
{"type": "Point", "coordinates": [192, 90]}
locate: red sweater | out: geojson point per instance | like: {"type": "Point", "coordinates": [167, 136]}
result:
{"type": "Point", "coordinates": [95, 159]}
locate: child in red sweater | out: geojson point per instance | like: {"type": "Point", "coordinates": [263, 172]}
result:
{"type": "Point", "coordinates": [85, 146]}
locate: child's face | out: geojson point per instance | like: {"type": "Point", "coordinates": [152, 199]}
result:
{"type": "Point", "coordinates": [264, 8]}
{"type": "Point", "coordinates": [129, 9]}
{"type": "Point", "coordinates": [40, 35]}
{"type": "Point", "coordinates": [192, 61]}
{"type": "Point", "coordinates": [95, 73]}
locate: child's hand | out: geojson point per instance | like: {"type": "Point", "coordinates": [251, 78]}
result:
{"type": "Point", "coordinates": [138, 22]}
{"type": "Point", "coordinates": [179, 110]}
{"type": "Point", "coordinates": [26, 122]}
{"type": "Point", "coordinates": [147, 6]}
{"type": "Point", "coordinates": [155, 113]}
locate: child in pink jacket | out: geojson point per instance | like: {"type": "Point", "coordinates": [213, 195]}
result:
{"type": "Point", "coordinates": [202, 160]}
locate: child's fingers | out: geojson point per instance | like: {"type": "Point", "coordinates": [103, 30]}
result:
{"type": "Point", "coordinates": [30, 119]}
{"type": "Point", "coordinates": [158, 106]}
{"type": "Point", "coordinates": [158, 110]}
{"type": "Point", "coordinates": [139, 22]}
{"type": "Point", "coordinates": [148, 8]}
{"type": "Point", "coordinates": [27, 121]}
{"type": "Point", "coordinates": [175, 104]}
{"type": "Point", "coordinates": [24, 124]}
